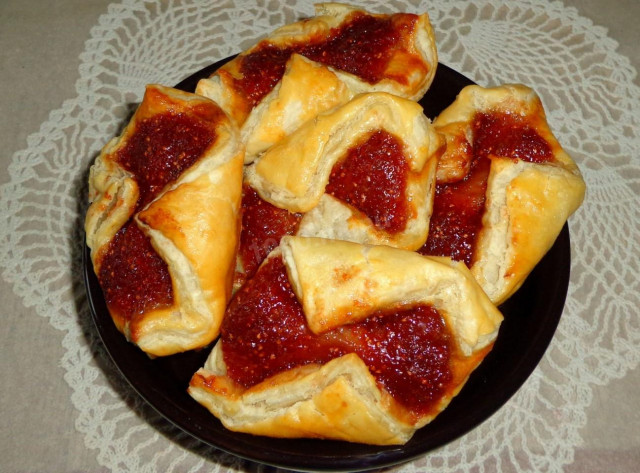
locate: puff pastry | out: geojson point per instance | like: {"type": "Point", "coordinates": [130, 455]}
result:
{"type": "Point", "coordinates": [499, 138]}
{"type": "Point", "coordinates": [163, 223]}
{"type": "Point", "coordinates": [376, 155]}
{"type": "Point", "coordinates": [306, 89]}
{"type": "Point", "coordinates": [393, 53]}
{"type": "Point", "coordinates": [347, 291]}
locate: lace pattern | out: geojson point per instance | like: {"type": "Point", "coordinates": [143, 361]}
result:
{"type": "Point", "coordinates": [588, 91]}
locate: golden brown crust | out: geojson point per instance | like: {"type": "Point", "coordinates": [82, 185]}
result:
{"type": "Point", "coordinates": [527, 203]}
{"type": "Point", "coordinates": [294, 173]}
{"type": "Point", "coordinates": [409, 72]}
{"type": "Point", "coordinates": [192, 224]}
{"type": "Point", "coordinates": [306, 89]}
{"type": "Point", "coordinates": [341, 399]}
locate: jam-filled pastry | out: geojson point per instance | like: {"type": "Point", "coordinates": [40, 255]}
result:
{"type": "Point", "coordinates": [163, 224]}
{"type": "Point", "coordinates": [306, 89]}
{"type": "Point", "coordinates": [505, 187]}
{"type": "Point", "coordinates": [393, 53]}
{"type": "Point", "coordinates": [362, 172]}
{"type": "Point", "coordinates": [339, 340]}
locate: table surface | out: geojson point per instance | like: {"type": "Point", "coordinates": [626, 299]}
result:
{"type": "Point", "coordinates": [45, 415]}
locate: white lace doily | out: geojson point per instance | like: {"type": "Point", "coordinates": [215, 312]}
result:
{"type": "Point", "coordinates": [588, 91]}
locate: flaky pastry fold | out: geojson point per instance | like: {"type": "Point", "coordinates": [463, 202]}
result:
{"type": "Point", "coordinates": [339, 282]}
{"type": "Point", "coordinates": [306, 89]}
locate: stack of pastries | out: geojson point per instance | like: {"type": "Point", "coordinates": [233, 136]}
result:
{"type": "Point", "coordinates": [342, 256]}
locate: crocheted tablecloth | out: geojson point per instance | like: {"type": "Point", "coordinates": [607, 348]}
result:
{"type": "Point", "coordinates": [593, 106]}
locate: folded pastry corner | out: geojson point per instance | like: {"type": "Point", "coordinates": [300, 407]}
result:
{"type": "Point", "coordinates": [163, 222]}
{"type": "Point", "coordinates": [339, 282]}
{"type": "Point", "coordinates": [306, 89]}
{"type": "Point", "coordinates": [325, 356]}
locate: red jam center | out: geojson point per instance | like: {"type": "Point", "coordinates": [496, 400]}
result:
{"type": "Point", "coordinates": [264, 332]}
{"type": "Point", "coordinates": [373, 179]}
{"type": "Point", "coordinates": [263, 225]}
{"type": "Point", "coordinates": [457, 215]}
{"type": "Point", "coordinates": [509, 136]}
{"type": "Point", "coordinates": [363, 47]}
{"type": "Point", "coordinates": [132, 275]}
{"type": "Point", "coordinates": [458, 207]}
{"type": "Point", "coordinates": [160, 149]}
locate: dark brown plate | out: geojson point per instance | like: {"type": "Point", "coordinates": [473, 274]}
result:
{"type": "Point", "coordinates": [531, 318]}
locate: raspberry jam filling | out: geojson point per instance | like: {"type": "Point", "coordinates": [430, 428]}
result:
{"type": "Point", "coordinates": [263, 225]}
{"type": "Point", "coordinates": [373, 179]}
